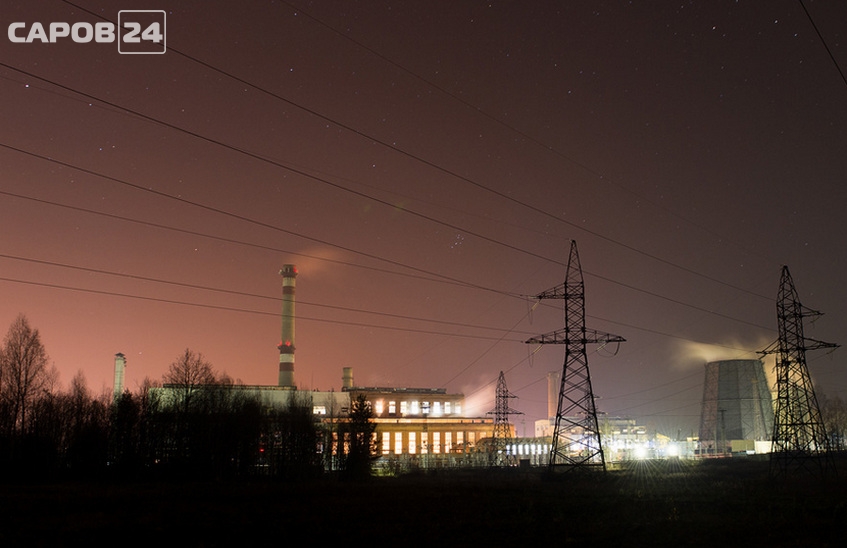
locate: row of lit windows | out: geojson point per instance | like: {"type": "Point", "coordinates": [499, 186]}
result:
{"type": "Point", "coordinates": [433, 409]}
{"type": "Point", "coordinates": [527, 449]}
{"type": "Point", "coordinates": [415, 407]}
{"type": "Point", "coordinates": [424, 442]}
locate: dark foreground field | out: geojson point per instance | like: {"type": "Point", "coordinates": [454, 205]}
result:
{"type": "Point", "coordinates": [724, 503]}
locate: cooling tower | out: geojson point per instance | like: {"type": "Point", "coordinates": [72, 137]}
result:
{"type": "Point", "coordinates": [286, 343]}
{"type": "Point", "coordinates": [737, 405]}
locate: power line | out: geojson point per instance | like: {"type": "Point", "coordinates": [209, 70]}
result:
{"type": "Point", "coordinates": [458, 282]}
{"type": "Point", "coordinates": [245, 294]}
{"type": "Point", "coordinates": [823, 42]}
{"type": "Point", "coordinates": [424, 161]}
{"type": "Point", "coordinates": [325, 242]}
{"type": "Point", "coordinates": [438, 278]}
{"type": "Point", "coordinates": [275, 314]}
{"type": "Point", "coordinates": [246, 310]}
{"type": "Point", "coordinates": [527, 137]}
{"type": "Point", "coordinates": [361, 194]}
{"type": "Point", "coordinates": [231, 215]}
{"type": "Point", "coordinates": [270, 161]}
{"type": "Point", "coordinates": [654, 387]}
{"type": "Point", "coordinates": [663, 398]}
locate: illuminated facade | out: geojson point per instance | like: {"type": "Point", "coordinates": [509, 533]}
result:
{"type": "Point", "coordinates": [416, 427]}
{"type": "Point", "coordinates": [622, 437]}
{"type": "Point", "coordinates": [423, 426]}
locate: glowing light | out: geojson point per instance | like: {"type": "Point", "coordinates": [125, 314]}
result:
{"type": "Point", "coordinates": [640, 452]}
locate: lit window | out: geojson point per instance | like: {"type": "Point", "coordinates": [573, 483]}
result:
{"type": "Point", "coordinates": [378, 407]}
{"type": "Point", "coordinates": [415, 407]}
{"type": "Point", "coordinates": [436, 408]}
{"type": "Point", "coordinates": [386, 443]}
{"type": "Point", "coordinates": [404, 407]}
{"type": "Point", "coordinates": [424, 442]}
{"type": "Point", "coordinates": [412, 447]}
{"type": "Point", "coordinates": [448, 442]}
{"type": "Point", "coordinates": [398, 443]}
{"type": "Point", "coordinates": [319, 410]}
{"type": "Point", "coordinates": [460, 438]}
{"type": "Point", "coordinates": [447, 408]}
{"type": "Point", "coordinates": [425, 408]}
{"type": "Point", "coordinates": [392, 407]}
{"type": "Point", "coordinates": [436, 442]}
{"type": "Point", "coordinates": [457, 409]}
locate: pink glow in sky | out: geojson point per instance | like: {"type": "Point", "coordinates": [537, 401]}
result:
{"type": "Point", "coordinates": [425, 166]}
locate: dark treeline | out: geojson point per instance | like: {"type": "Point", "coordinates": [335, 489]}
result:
{"type": "Point", "coordinates": [194, 425]}
{"type": "Point", "coordinates": [221, 434]}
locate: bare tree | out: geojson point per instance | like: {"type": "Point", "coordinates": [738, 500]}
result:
{"type": "Point", "coordinates": [24, 372]}
{"type": "Point", "coordinates": [188, 377]}
{"type": "Point", "coordinates": [834, 411]}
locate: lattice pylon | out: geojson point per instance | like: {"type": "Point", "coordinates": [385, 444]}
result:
{"type": "Point", "coordinates": [799, 441]}
{"type": "Point", "coordinates": [576, 433]}
{"type": "Point", "coordinates": [501, 452]}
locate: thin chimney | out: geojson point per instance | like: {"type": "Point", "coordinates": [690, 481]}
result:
{"type": "Point", "coordinates": [286, 344]}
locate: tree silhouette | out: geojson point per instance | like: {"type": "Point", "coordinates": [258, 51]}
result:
{"type": "Point", "coordinates": [290, 440]}
{"type": "Point", "coordinates": [188, 377]}
{"type": "Point", "coordinates": [359, 445]}
{"type": "Point", "coordinates": [24, 373]}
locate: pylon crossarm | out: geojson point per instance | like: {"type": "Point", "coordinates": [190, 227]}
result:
{"type": "Point", "coordinates": [557, 292]}
{"type": "Point", "coordinates": [566, 336]}
{"type": "Point", "coordinates": [814, 344]}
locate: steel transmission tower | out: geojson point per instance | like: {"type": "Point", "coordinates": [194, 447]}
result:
{"type": "Point", "coordinates": [799, 440]}
{"type": "Point", "coordinates": [576, 434]}
{"type": "Point", "coordinates": [502, 430]}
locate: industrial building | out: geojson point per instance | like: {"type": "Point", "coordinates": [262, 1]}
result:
{"type": "Point", "coordinates": [423, 427]}
{"type": "Point", "coordinates": [623, 438]}
{"type": "Point", "coordinates": [428, 427]}
{"type": "Point", "coordinates": [416, 427]}
{"type": "Point", "coordinates": [737, 411]}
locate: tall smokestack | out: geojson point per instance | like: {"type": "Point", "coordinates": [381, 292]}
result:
{"type": "Point", "coordinates": [120, 364]}
{"type": "Point", "coordinates": [286, 344]}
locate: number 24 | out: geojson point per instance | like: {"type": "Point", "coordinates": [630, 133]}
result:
{"type": "Point", "coordinates": [151, 33]}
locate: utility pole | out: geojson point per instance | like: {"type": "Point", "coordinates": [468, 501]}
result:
{"type": "Point", "coordinates": [576, 434]}
{"type": "Point", "coordinates": [799, 441]}
{"type": "Point", "coordinates": [500, 455]}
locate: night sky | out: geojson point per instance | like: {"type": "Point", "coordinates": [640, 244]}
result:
{"type": "Point", "coordinates": [425, 165]}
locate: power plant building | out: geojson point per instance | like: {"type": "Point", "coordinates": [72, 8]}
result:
{"type": "Point", "coordinates": [422, 421]}
{"type": "Point", "coordinates": [622, 437]}
{"type": "Point", "coordinates": [411, 423]}
{"type": "Point", "coordinates": [737, 410]}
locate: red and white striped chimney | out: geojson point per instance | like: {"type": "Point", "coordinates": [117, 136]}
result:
{"type": "Point", "coordinates": [286, 344]}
